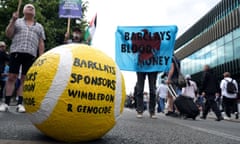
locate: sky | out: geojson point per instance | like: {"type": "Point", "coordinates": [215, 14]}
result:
{"type": "Point", "coordinates": [113, 13]}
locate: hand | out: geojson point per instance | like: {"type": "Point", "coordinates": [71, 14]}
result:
{"type": "Point", "coordinates": [66, 35]}
{"type": "Point", "coordinates": [168, 81]}
{"type": "Point", "coordinates": [15, 16]}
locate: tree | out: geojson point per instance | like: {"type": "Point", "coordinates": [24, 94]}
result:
{"type": "Point", "coordinates": [46, 14]}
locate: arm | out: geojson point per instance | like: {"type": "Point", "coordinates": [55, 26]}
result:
{"type": "Point", "coordinates": [170, 74]}
{"type": "Point", "coordinates": [41, 46]}
{"type": "Point", "coordinates": [11, 26]}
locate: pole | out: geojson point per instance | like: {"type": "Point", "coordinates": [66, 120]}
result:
{"type": "Point", "coordinates": [19, 5]}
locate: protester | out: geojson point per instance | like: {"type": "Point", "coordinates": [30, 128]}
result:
{"type": "Point", "coordinates": [27, 43]}
{"type": "Point", "coordinates": [4, 58]}
{"type": "Point", "coordinates": [229, 98]}
{"type": "Point", "coordinates": [191, 89]}
{"type": "Point", "coordinates": [172, 77]}
{"type": "Point", "coordinates": [162, 92]}
{"type": "Point", "coordinates": [152, 77]}
{"type": "Point", "coordinates": [209, 91]}
{"type": "Point", "coordinates": [76, 36]}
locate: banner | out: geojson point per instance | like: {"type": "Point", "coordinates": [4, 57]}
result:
{"type": "Point", "coordinates": [145, 48]}
{"type": "Point", "coordinates": [70, 9]}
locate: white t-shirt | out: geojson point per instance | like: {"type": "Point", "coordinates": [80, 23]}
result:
{"type": "Point", "coordinates": [190, 90]}
{"type": "Point", "coordinates": [162, 91]}
{"type": "Point", "coordinates": [223, 86]}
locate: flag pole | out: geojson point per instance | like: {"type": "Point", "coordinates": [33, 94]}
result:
{"type": "Point", "coordinates": [19, 5]}
{"type": "Point", "coordinates": [68, 26]}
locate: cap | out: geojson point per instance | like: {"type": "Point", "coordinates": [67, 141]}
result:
{"type": "Point", "coordinates": [2, 43]}
{"type": "Point", "coordinates": [188, 76]}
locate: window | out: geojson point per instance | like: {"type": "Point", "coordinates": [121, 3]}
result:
{"type": "Point", "coordinates": [236, 33]}
{"type": "Point", "coordinates": [228, 37]}
{"type": "Point", "coordinates": [236, 48]}
{"type": "Point", "coordinates": [221, 55]}
{"type": "Point", "coordinates": [228, 51]}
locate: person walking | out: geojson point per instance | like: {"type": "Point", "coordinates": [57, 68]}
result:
{"type": "Point", "coordinates": [229, 98]}
{"type": "Point", "coordinates": [162, 92]}
{"type": "Point", "coordinates": [209, 91]}
{"type": "Point", "coordinates": [27, 43]}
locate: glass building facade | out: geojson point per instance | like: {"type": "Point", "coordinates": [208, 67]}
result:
{"type": "Point", "coordinates": [213, 40]}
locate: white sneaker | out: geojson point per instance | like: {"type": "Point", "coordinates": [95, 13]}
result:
{"type": "Point", "coordinates": [4, 107]}
{"type": "Point", "coordinates": [20, 109]}
{"type": "Point", "coordinates": [226, 118]}
{"type": "Point", "coordinates": [153, 116]}
{"type": "Point", "coordinates": [139, 115]}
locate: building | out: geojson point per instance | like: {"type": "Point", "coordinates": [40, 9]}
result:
{"type": "Point", "coordinates": [214, 40]}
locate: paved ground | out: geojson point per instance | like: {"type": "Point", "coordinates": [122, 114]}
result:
{"type": "Point", "coordinates": [17, 129]}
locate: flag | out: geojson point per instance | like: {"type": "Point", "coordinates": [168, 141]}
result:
{"type": "Point", "coordinates": [90, 30]}
{"type": "Point", "coordinates": [145, 48]}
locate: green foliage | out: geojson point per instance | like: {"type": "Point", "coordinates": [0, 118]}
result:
{"type": "Point", "coordinates": [46, 14]}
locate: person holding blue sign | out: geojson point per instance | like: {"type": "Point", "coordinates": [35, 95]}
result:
{"type": "Point", "coordinates": [146, 50]}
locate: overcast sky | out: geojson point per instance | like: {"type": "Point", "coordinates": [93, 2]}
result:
{"type": "Point", "coordinates": [113, 13]}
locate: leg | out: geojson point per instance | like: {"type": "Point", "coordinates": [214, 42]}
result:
{"type": "Point", "coordinates": [152, 76]}
{"type": "Point", "coordinates": [139, 91]}
{"type": "Point", "coordinates": [206, 108]}
{"type": "Point", "coordinates": [162, 104]}
{"type": "Point", "coordinates": [227, 108]}
{"type": "Point", "coordinates": [215, 108]}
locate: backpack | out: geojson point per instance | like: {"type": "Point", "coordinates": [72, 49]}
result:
{"type": "Point", "coordinates": [231, 88]}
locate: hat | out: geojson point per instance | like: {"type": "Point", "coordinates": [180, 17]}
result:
{"type": "Point", "coordinates": [2, 43]}
{"type": "Point", "coordinates": [188, 76]}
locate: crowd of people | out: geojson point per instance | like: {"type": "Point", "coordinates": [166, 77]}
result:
{"type": "Point", "coordinates": [209, 95]}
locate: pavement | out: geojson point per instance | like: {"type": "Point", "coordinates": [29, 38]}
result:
{"type": "Point", "coordinates": [15, 128]}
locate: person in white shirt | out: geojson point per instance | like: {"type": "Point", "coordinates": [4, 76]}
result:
{"type": "Point", "coordinates": [229, 99]}
{"type": "Point", "coordinates": [191, 89]}
{"type": "Point", "coordinates": [162, 92]}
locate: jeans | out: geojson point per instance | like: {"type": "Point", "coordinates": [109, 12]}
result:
{"type": "Point", "coordinates": [152, 77]}
{"type": "Point", "coordinates": [161, 105]}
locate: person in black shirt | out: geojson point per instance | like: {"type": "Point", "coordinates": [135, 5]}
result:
{"type": "Point", "coordinates": [209, 91]}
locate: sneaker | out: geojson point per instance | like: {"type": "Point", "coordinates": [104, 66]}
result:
{"type": "Point", "coordinates": [227, 118]}
{"type": "Point", "coordinates": [20, 109]}
{"type": "Point", "coordinates": [220, 118]}
{"type": "Point", "coordinates": [169, 113]}
{"type": "Point", "coordinates": [139, 115]}
{"type": "Point", "coordinates": [236, 116]}
{"type": "Point", "coordinates": [4, 107]}
{"type": "Point", "coordinates": [153, 116]}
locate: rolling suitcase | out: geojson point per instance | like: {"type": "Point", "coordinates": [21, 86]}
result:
{"type": "Point", "coordinates": [184, 104]}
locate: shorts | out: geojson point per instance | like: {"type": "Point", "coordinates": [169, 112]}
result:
{"type": "Point", "coordinates": [20, 59]}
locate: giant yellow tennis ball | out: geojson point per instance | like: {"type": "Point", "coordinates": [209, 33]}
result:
{"type": "Point", "coordinates": [74, 93]}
